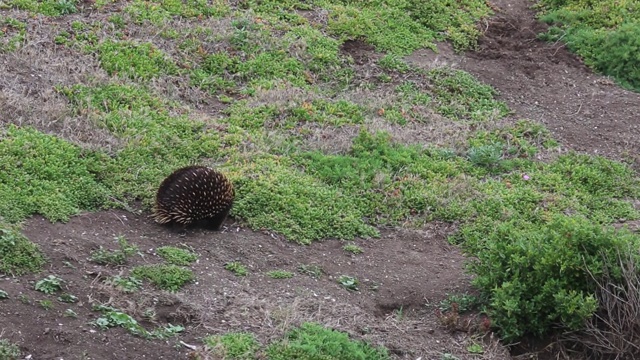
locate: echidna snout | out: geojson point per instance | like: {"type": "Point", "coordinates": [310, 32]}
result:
{"type": "Point", "coordinates": [194, 195]}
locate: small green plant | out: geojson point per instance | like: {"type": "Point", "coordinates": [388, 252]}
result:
{"type": "Point", "coordinates": [312, 270]}
{"type": "Point", "coordinates": [465, 302]}
{"type": "Point", "coordinates": [68, 298]}
{"type": "Point", "coordinates": [112, 317]}
{"type": "Point", "coordinates": [114, 257]}
{"type": "Point", "coordinates": [166, 277]}
{"type": "Point", "coordinates": [353, 248]}
{"type": "Point", "coordinates": [176, 256]}
{"type": "Point", "coordinates": [280, 274]}
{"type": "Point", "coordinates": [50, 284]}
{"type": "Point", "coordinates": [46, 304]}
{"type": "Point", "coordinates": [237, 268]}
{"type": "Point", "coordinates": [475, 348]}
{"type": "Point", "coordinates": [312, 341]}
{"type": "Point", "coordinates": [125, 284]}
{"type": "Point", "coordinates": [486, 156]}
{"type": "Point", "coordinates": [3, 295]}
{"type": "Point", "coordinates": [24, 299]}
{"type": "Point", "coordinates": [348, 282]}
{"type": "Point", "coordinates": [8, 350]}
{"type": "Point", "coordinates": [239, 346]}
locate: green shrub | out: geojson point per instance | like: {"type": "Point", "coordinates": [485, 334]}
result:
{"type": "Point", "coordinates": [312, 341]}
{"type": "Point", "coordinates": [18, 255]}
{"type": "Point", "coordinates": [537, 276]}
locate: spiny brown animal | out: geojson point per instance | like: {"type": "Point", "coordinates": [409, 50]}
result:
{"type": "Point", "coordinates": [194, 195]}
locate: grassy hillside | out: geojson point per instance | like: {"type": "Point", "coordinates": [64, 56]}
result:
{"type": "Point", "coordinates": [319, 141]}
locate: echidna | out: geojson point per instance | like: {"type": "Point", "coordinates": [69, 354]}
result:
{"type": "Point", "coordinates": [194, 195]}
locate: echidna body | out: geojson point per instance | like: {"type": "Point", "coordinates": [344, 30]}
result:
{"type": "Point", "coordinates": [194, 195]}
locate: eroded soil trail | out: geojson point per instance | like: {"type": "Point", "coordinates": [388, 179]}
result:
{"type": "Point", "coordinates": [545, 82]}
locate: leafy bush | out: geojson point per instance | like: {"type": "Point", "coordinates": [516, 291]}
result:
{"type": "Point", "coordinates": [312, 341]}
{"type": "Point", "coordinates": [537, 276]}
{"type": "Point", "coordinates": [18, 255]}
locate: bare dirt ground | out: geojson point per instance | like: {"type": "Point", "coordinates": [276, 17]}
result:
{"type": "Point", "coordinates": [544, 82]}
{"type": "Point", "coordinates": [403, 277]}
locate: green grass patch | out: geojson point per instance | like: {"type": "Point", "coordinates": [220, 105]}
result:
{"type": "Point", "coordinates": [13, 33]}
{"type": "Point", "coordinates": [238, 346]}
{"type": "Point", "coordinates": [312, 341]}
{"type": "Point", "coordinates": [272, 194]}
{"type": "Point", "coordinates": [237, 268]}
{"type": "Point", "coordinates": [143, 61]}
{"type": "Point", "coordinates": [165, 277]}
{"type": "Point", "coordinates": [335, 113]}
{"type": "Point", "coordinates": [156, 141]}
{"type": "Point", "coordinates": [46, 175]}
{"type": "Point", "coordinates": [46, 7]}
{"type": "Point", "coordinates": [606, 34]}
{"type": "Point", "coordinates": [177, 256]}
{"type": "Point", "coordinates": [18, 255]}
{"type": "Point", "coordinates": [461, 96]}
{"type": "Point", "coordinates": [401, 27]}
{"type": "Point", "coordinates": [157, 12]}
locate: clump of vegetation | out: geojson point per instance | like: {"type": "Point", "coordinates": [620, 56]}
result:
{"type": "Point", "coordinates": [137, 61]}
{"type": "Point", "coordinates": [312, 341]}
{"type": "Point", "coordinates": [237, 268]}
{"type": "Point", "coordinates": [177, 256]}
{"type": "Point", "coordinates": [9, 350]}
{"type": "Point", "coordinates": [348, 282]}
{"type": "Point", "coordinates": [114, 257]}
{"type": "Point", "coordinates": [165, 277]}
{"type": "Point", "coordinates": [13, 33]}
{"type": "Point", "coordinates": [353, 248]}
{"type": "Point", "coordinates": [239, 346]}
{"type": "Point", "coordinates": [535, 276]}
{"type": "Point", "coordinates": [18, 255]}
{"type": "Point", "coordinates": [128, 284]}
{"type": "Point", "coordinates": [280, 274]}
{"type": "Point", "coordinates": [46, 7]}
{"type": "Point", "coordinates": [50, 284]}
{"type": "Point", "coordinates": [606, 34]}
{"type": "Point", "coordinates": [112, 317]}
{"type": "Point", "coordinates": [460, 96]}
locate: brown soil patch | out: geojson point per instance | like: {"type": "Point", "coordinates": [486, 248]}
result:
{"type": "Point", "coordinates": [545, 82]}
{"type": "Point", "coordinates": [403, 277]}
